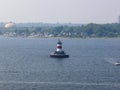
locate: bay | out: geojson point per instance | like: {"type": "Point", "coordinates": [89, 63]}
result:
{"type": "Point", "coordinates": [25, 64]}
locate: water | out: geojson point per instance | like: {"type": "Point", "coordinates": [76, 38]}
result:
{"type": "Point", "coordinates": [25, 64]}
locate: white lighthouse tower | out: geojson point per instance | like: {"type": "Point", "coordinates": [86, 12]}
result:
{"type": "Point", "coordinates": [59, 46]}
{"type": "Point", "coordinates": [59, 53]}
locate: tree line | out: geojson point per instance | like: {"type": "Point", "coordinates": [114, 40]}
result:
{"type": "Point", "coordinates": [89, 30]}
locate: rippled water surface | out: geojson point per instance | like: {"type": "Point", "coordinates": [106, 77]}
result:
{"type": "Point", "coordinates": [25, 64]}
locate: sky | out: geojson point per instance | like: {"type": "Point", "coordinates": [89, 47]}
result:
{"type": "Point", "coordinates": [60, 11]}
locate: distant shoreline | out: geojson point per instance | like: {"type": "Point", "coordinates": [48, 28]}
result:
{"type": "Point", "coordinates": [64, 37]}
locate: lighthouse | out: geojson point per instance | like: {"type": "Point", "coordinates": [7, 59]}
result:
{"type": "Point", "coordinates": [59, 53]}
{"type": "Point", "coordinates": [59, 46]}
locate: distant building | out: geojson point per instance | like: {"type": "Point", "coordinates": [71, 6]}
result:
{"type": "Point", "coordinates": [9, 25]}
{"type": "Point", "coordinates": [119, 19]}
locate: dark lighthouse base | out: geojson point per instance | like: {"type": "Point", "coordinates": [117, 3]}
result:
{"type": "Point", "coordinates": [59, 54]}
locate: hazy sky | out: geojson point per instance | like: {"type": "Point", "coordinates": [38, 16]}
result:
{"type": "Point", "coordinates": [62, 11]}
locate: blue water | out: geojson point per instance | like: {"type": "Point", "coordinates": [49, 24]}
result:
{"type": "Point", "coordinates": [25, 64]}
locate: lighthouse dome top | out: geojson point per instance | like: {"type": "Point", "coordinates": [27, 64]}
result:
{"type": "Point", "coordinates": [59, 41]}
